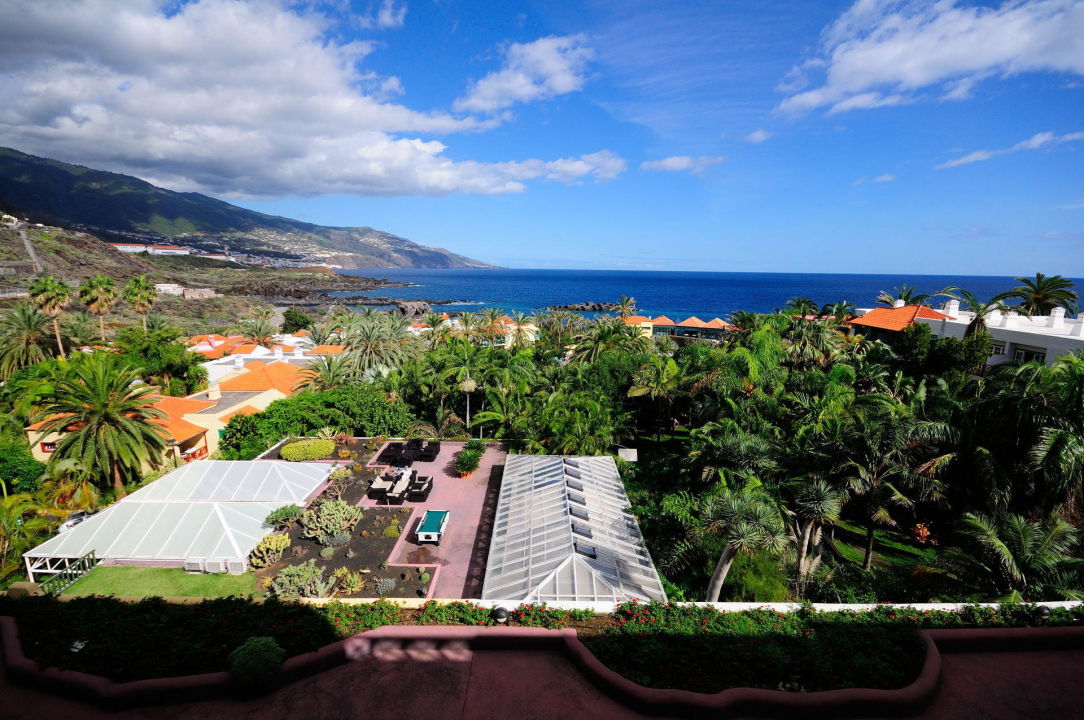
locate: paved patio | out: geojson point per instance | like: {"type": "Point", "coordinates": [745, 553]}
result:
{"type": "Point", "coordinates": [462, 552]}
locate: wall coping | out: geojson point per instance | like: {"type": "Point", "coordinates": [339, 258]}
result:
{"type": "Point", "coordinates": [392, 643]}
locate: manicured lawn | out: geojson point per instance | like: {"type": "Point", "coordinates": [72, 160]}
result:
{"type": "Point", "coordinates": [890, 547]}
{"type": "Point", "coordinates": [161, 582]}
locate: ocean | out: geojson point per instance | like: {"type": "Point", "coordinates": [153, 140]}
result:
{"type": "Point", "coordinates": [676, 294]}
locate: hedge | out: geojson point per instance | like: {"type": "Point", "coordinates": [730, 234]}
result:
{"type": "Point", "coordinates": [655, 644]}
{"type": "Point", "coordinates": [310, 449]}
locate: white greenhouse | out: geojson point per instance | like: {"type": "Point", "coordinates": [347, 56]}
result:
{"type": "Point", "coordinates": [205, 516]}
{"type": "Point", "coordinates": [563, 532]}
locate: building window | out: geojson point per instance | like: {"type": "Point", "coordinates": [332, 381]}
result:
{"type": "Point", "coordinates": [1023, 355]}
{"type": "Point", "coordinates": [48, 447]}
{"type": "Point", "coordinates": [997, 349]}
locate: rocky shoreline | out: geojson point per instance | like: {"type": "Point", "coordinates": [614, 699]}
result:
{"type": "Point", "coordinates": [588, 307]}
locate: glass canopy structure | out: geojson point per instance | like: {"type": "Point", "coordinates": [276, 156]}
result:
{"type": "Point", "coordinates": [205, 516]}
{"type": "Point", "coordinates": [563, 532]}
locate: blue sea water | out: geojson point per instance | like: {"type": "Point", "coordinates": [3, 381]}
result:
{"type": "Point", "coordinates": [676, 294]}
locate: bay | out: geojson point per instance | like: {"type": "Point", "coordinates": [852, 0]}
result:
{"type": "Point", "coordinates": [672, 293]}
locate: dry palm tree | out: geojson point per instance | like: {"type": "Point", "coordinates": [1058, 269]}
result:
{"type": "Point", "coordinates": [51, 295]}
{"type": "Point", "coordinates": [140, 293]}
{"type": "Point", "coordinates": [99, 294]}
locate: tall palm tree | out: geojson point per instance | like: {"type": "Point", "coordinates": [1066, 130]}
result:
{"type": "Point", "coordinates": [1041, 294]}
{"type": "Point", "coordinates": [981, 310]}
{"type": "Point", "coordinates": [329, 372]}
{"type": "Point", "coordinates": [660, 379]}
{"type": "Point", "coordinates": [24, 338]}
{"type": "Point", "coordinates": [258, 331]}
{"type": "Point", "coordinates": [1020, 560]}
{"type": "Point", "coordinates": [746, 522]}
{"type": "Point", "coordinates": [106, 421]}
{"type": "Point", "coordinates": [463, 368]}
{"type": "Point", "coordinates": [815, 504]}
{"type": "Point", "coordinates": [609, 334]}
{"type": "Point", "coordinates": [377, 344]}
{"type": "Point", "coordinates": [323, 333]}
{"type": "Point", "coordinates": [51, 295]}
{"type": "Point", "coordinates": [99, 294]}
{"type": "Point", "coordinates": [626, 307]}
{"type": "Point", "coordinates": [522, 331]}
{"type": "Point", "coordinates": [141, 294]}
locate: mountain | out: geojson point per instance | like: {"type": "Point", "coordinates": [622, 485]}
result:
{"type": "Point", "coordinates": [120, 206]}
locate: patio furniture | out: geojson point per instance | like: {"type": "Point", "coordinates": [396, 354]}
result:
{"type": "Point", "coordinates": [395, 495]}
{"type": "Point", "coordinates": [379, 488]}
{"type": "Point", "coordinates": [419, 491]}
{"type": "Point", "coordinates": [430, 452]}
{"type": "Point", "coordinates": [432, 526]}
{"type": "Point", "coordinates": [408, 456]}
{"type": "Point", "coordinates": [415, 443]}
{"type": "Point", "coordinates": [390, 454]}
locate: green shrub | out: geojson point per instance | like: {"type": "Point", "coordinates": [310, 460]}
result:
{"type": "Point", "coordinates": [19, 469]}
{"type": "Point", "coordinates": [269, 550]}
{"type": "Point", "coordinates": [756, 577]}
{"type": "Point", "coordinates": [453, 613]}
{"type": "Point", "coordinates": [255, 664]}
{"type": "Point", "coordinates": [284, 517]}
{"type": "Point", "coordinates": [327, 553]}
{"type": "Point", "coordinates": [352, 619]}
{"type": "Point", "coordinates": [298, 581]}
{"type": "Point", "coordinates": [475, 444]}
{"type": "Point", "coordinates": [294, 320]}
{"type": "Point", "coordinates": [310, 449]}
{"type": "Point", "coordinates": [385, 586]}
{"type": "Point", "coordinates": [424, 577]}
{"type": "Point", "coordinates": [350, 582]}
{"type": "Point", "coordinates": [540, 615]}
{"type": "Point", "coordinates": [330, 519]}
{"type": "Point", "coordinates": [391, 531]}
{"type": "Point", "coordinates": [467, 461]}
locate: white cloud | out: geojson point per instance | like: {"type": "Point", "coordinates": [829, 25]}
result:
{"type": "Point", "coordinates": [758, 136]}
{"type": "Point", "coordinates": [388, 15]}
{"type": "Point", "coordinates": [545, 68]}
{"type": "Point", "coordinates": [887, 177]}
{"type": "Point", "coordinates": [1035, 142]}
{"type": "Point", "coordinates": [234, 98]}
{"type": "Point", "coordinates": [682, 163]}
{"type": "Point", "coordinates": [884, 52]}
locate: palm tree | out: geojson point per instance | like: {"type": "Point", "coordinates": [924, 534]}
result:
{"type": "Point", "coordinates": [746, 521]}
{"type": "Point", "coordinates": [329, 372]}
{"type": "Point", "coordinates": [51, 295]}
{"type": "Point", "coordinates": [609, 334]}
{"type": "Point", "coordinates": [24, 338]}
{"type": "Point", "coordinates": [79, 328]}
{"type": "Point", "coordinates": [911, 296]}
{"type": "Point", "coordinates": [981, 310]}
{"type": "Point", "coordinates": [323, 333]}
{"type": "Point", "coordinates": [660, 379]}
{"type": "Point", "coordinates": [377, 344]}
{"type": "Point", "coordinates": [140, 293]}
{"type": "Point", "coordinates": [23, 523]}
{"type": "Point", "coordinates": [106, 419]}
{"type": "Point", "coordinates": [463, 367]}
{"type": "Point", "coordinates": [802, 307]}
{"type": "Point", "coordinates": [1041, 294]}
{"type": "Point", "coordinates": [816, 504]}
{"type": "Point", "coordinates": [1018, 559]}
{"type": "Point", "coordinates": [626, 307]}
{"type": "Point", "coordinates": [522, 332]}
{"type": "Point", "coordinates": [98, 293]}
{"type": "Point", "coordinates": [67, 484]}
{"type": "Point", "coordinates": [258, 331]}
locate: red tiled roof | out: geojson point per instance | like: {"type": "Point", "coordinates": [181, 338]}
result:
{"type": "Point", "coordinates": [243, 410]}
{"type": "Point", "coordinates": [718, 324]}
{"type": "Point", "coordinates": [636, 319]}
{"type": "Point", "coordinates": [897, 318]}
{"type": "Point", "coordinates": [176, 428]}
{"type": "Point", "coordinates": [279, 376]}
{"type": "Point", "coordinates": [326, 350]}
{"type": "Point", "coordinates": [692, 322]}
{"type": "Point", "coordinates": [663, 321]}
{"type": "Point", "coordinates": [167, 247]}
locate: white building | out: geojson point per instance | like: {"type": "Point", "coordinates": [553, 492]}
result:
{"type": "Point", "coordinates": [169, 289]}
{"type": "Point", "coordinates": [1016, 337]}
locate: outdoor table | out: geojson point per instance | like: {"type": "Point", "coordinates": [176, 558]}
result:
{"type": "Point", "coordinates": [432, 526]}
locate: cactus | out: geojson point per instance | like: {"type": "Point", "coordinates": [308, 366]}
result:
{"type": "Point", "coordinates": [329, 519]}
{"type": "Point", "coordinates": [269, 550]}
{"type": "Point", "coordinates": [384, 586]}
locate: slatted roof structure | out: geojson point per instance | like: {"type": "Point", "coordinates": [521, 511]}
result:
{"type": "Point", "coordinates": [206, 515]}
{"type": "Point", "coordinates": [563, 532]}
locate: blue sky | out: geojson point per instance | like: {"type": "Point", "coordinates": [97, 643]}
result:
{"type": "Point", "coordinates": [877, 136]}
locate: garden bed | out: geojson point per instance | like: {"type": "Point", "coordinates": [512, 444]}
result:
{"type": "Point", "coordinates": [360, 451]}
{"type": "Point", "coordinates": [367, 551]}
{"type": "Point", "coordinates": [657, 645]}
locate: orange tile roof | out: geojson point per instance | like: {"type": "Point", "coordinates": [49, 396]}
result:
{"type": "Point", "coordinates": [326, 350]}
{"type": "Point", "coordinates": [214, 353]}
{"type": "Point", "coordinates": [692, 322]}
{"type": "Point", "coordinates": [419, 325]}
{"type": "Point", "coordinates": [180, 405]}
{"type": "Point", "coordinates": [195, 339]}
{"type": "Point", "coordinates": [636, 319]}
{"type": "Point", "coordinates": [243, 410]}
{"type": "Point", "coordinates": [718, 324]}
{"type": "Point", "coordinates": [284, 348]}
{"type": "Point", "coordinates": [176, 428]}
{"type": "Point", "coordinates": [663, 321]}
{"type": "Point", "coordinates": [254, 365]}
{"type": "Point", "coordinates": [446, 316]}
{"type": "Point", "coordinates": [167, 247]}
{"type": "Point", "coordinates": [243, 349]}
{"type": "Point", "coordinates": [279, 376]}
{"type": "Point", "coordinates": [896, 318]}
{"type": "Point", "coordinates": [301, 333]}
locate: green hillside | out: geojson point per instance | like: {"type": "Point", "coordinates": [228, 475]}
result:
{"type": "Point", "coordinates": [108, 202]}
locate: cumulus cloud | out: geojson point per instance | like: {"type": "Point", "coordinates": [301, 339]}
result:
{"type": "Point", "coordinates": [880, 53]}
{"type": "Point", "coordinates": [1035, 142]}
{"type": "Point", "coordinates": [758, 136]}
{"type": "Point", "coordinates": [545, 68]}
{"type": "Point", "coordinates": [682, 163]}
{"type": "Point", "coordinates": [388, 15]}
{"type": "Point", "coordinates": [233, 97]}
